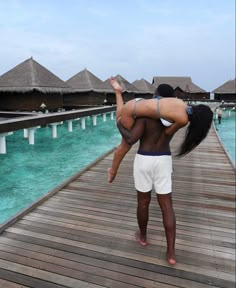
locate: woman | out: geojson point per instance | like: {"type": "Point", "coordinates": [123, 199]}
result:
{"type": "Point", "coordinates": [172, 110]}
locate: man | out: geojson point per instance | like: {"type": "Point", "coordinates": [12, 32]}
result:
{"type": "Point", "coordinates": [219, 114]}
{"type": "Point", "coordinates": [153, 167]}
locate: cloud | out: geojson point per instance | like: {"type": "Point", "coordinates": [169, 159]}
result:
{"type": "Point", "coordinates": [135, 38]}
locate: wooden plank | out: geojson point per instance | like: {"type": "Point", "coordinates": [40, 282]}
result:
{"type": "Point", "coordinates": [114, 259]}
{"type": "Point", "coordinates": [157, 277]}
{"type": "Point", "coordinates": [83, 236]}
{"type": "Point", "coordinates": [8, 284]}
{"type": "Point", "coordinates": [23, 279]}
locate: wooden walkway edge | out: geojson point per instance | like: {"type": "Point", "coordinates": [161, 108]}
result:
{"type": "Point", "coordinates": [82, 234]}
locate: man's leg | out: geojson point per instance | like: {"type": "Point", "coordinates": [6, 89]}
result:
{"type": "Point", "coordinates": [144, 200]}
{"type": "Point", "coordinates": [169, 222]}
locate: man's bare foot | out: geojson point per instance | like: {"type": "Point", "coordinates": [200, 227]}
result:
{"type": "Point", "coordinates": [115, 85]}
{"type": "Point", "coordinates": [141, 240]}
{"type": "Point", "coordinates": [111, 175]}
{"type": "Point", "coordinates": [171, 258]}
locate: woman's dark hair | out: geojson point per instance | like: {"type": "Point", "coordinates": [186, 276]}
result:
{"type": "Point", "coordinates": [200, 122]}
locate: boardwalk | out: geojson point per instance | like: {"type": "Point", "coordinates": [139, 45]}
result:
{"type": "Point", "coordinates": [83, 236]}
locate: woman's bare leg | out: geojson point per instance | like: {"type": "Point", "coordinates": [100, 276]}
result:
{"type": "Point", "coordinates": [119, 154]}
{"type": "Point", "coordinates": [124, 112]}
{"type": "Point", "coordinates": [119, 100]}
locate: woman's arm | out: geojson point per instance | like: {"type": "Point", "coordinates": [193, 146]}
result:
{"type": "Point", "coordinates": [170, 131]}
{"type": "Point", "coordinates": [180, 122]}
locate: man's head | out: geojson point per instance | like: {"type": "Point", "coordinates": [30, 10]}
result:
{"type": "Point", "coordinates": [164, 90]}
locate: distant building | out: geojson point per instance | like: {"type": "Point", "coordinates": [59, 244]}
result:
{"type": "Point", "coordinates": [28, 85]}
{"type": "Point", "coordinates": [129, 90]}
{"type": "Point", "coordinates": [87, 90]}
{"type": "Point", "coordinates": [183, 86]}
{"type": "Point", "coordinates": [146, 89]}
{"type": "Point", "coordinates": [226, 91]}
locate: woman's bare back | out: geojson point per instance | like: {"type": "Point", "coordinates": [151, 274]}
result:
{"type": "Point", "coordinates": [171, 109]}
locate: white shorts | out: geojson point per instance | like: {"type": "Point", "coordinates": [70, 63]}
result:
{"type": "Point", "coordinates": [153, 170]}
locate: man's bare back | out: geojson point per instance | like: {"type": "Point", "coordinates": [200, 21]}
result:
{"type": "Point", "coordinates": [152, 139]}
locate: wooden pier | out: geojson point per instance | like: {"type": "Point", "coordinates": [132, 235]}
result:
{"type": "Point", "coordinates": [83, 236]}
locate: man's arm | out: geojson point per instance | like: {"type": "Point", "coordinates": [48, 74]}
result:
{"type": "Point", "coordinates": [133, 135]}
{"type": "Point", "coordinates": [129, 137]}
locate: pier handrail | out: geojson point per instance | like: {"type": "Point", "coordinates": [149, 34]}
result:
{"type": "Point", "coordinates": [28, 121]}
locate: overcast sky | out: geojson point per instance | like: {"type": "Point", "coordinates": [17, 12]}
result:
{"type": "Point", "coordinates": [134, 38]}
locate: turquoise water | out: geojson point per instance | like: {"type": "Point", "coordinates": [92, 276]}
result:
{"type": "Point", "coordinates": [226, 131]}
{"type": "Point", "coordinates": [29, 171]}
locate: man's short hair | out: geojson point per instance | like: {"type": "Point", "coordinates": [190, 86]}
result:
{"type": "Point", "coordinates": [164, 90]}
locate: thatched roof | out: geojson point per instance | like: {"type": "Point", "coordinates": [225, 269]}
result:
{"type": "Point", "coordinates": [126, 86]}
{"type": "Point", "coordinates": [144, 86]}
{"type": "Point", "coordinates": [85, 81]}
{"type": "Point", "coordinates": [30, 75]}
{"type": "Point", "coordinates": [184, 83]}
{"type": "Point", "coordinates": [228, 87]}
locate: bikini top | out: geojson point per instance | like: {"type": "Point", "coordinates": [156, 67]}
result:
{"type": "Point", "coordinates": [163, 121]}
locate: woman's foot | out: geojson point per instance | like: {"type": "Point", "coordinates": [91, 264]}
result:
{"type": "Point", "coordinates": [115, 85]}
{"type": "Point", "coordinates": [111, 175]}
{"type": "Point", "coordinates": [141, 239]}
{"type": "Point", "coordinates": [171, 258]}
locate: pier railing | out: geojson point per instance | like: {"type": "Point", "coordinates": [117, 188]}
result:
{"type": "Point", "coordinates": [27, 121]}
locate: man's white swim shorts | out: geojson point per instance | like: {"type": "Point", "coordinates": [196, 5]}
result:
{"type": "Point", "coordinates": [153, 169]}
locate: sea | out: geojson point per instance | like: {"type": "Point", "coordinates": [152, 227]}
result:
{"type": "Point", "coordinates": [27, 172]}
{"type": "Point", "coordinates": [226, 132]}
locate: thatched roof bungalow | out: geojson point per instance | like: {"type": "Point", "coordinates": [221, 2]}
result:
{"type": "Point", "coordinates": [87, 90]}
{"type": "Point", "coordinates": [129, 90]}
{"type": "Point", "coordinates": [226, 91]}
{"type": "Point", "coordinates": [28, 85]}
{"type": "Point", "coordinates": [146, 89]}
{"type": "Point", "coordinates": [183, 86]}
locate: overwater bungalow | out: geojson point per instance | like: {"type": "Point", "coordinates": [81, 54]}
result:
{"type": "Point", "coordinates": [31, 87]}
{"type": "Point", "coordinates": [129, 90]}
{"type": "Point", "coordinates": [183, 86]}
{"type": "Point", "coordinates": [146, 89]}
{"type": "Point", "coordinates": [226, 92]}
{"type": "Point", "coordinates": [87, 90]}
